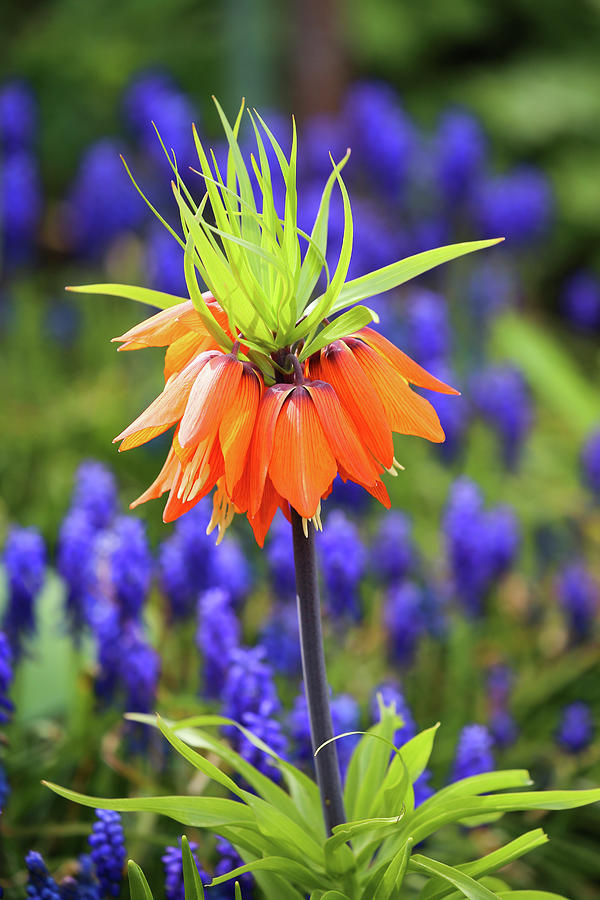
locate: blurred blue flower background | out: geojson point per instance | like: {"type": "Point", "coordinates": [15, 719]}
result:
{"type": "Point", "coordinates": [475, 601]}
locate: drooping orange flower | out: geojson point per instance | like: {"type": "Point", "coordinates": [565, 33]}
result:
{"type": "Point", "coordinates": [280, 446]}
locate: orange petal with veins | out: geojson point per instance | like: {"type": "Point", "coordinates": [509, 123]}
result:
{"type": "Point", "coordinates": [237, 425]}
{"type": "Point", "coordinates": [359, 398]}
{"type": "Point", "coordinates": [377, 490]}
{"type": "Point", "coordinates": [212, 394]}
{"type": "Point", "coordinates": [261, 446]}
{"type": "Point", "coordinates": [183, 350]}
{"type": "Point", "coordinates": [164, 482]}
{"type": "Point", "coordinates": [407, 411]}
{"type": "Point", "coordinates": [270, 503]}
{"type": "Point", "coordinates": [168, 407]}
{"type": "Point", "coordinates": [168, 325]}
{"type": "Point", "coordinates": [406, 366]}
{"type": "Point", "coordinates": [302, 466]}
{"type": "Point", "coordinates": [341, 434]}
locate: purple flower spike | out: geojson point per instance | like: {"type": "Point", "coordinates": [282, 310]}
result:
{"type": "Point", "coordinates": [576, 727]}
{"type": "Point", "coordinates": [473, 753]}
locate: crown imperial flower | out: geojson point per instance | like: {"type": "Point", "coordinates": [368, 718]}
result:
{"type": "Point", "coordinates": [273, 392]}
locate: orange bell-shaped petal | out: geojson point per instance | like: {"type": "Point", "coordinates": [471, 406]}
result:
{"type": "Point", "coordinates": [358, 396]}
{"type": "Point", "coordinates": [302, 465]}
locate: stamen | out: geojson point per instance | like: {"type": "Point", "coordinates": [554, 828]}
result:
{"type": "Point", "coordinates": [393, 469]}
{"type": "Point", "coordinates": [314, 520]}
{"type": "Point", "coordinates": [222, 515]}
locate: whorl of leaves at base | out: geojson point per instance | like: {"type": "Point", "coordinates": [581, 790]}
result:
{"type": "Point", "coordinates": [279, 832]}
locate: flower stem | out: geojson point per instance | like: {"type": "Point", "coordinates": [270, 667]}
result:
{"type": "Point", "coordinates": [315, 676]}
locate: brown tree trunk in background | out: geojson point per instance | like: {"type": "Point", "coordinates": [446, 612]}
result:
{"type": "Point", "coordinates": [318, 65]}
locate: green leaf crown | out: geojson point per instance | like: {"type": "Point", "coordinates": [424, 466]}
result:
{"type": "Point", "coordinates": [264, 270]}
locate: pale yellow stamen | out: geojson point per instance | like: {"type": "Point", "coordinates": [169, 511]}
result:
{"type": "Point", "coordinates": [316, 521]}
{"type": "Point", "coordinates": [394, 468]}
{"type": "Point", "coordinates": [222, 515]}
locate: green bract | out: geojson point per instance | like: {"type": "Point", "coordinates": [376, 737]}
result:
{"type": "Point", "coordinates": [280, 835]}
{"type": "Point", "coordinates": [263, 269]}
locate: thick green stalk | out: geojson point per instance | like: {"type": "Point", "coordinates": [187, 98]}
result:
{"type": "Point", "coordinates": [315, 675]}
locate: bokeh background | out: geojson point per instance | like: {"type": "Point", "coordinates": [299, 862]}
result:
{"type": "Point", "coordinates": [480, 602]}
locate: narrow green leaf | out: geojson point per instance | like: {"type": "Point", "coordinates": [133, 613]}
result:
{"type": "Point", "coordinates": [415, 753]}
{"type": "Point", "coordinates": [453, 876]}
{"type": "Point", "coordinates": [249, 228]}
{"type": "Point", "coordinates": [304, 804]}
{"type": "Point", "coordinates": [491, 862]}
{"type": "Point", "coordinates": [485, 783]}
{"type": "Point", "coordinates": [349, 831]}
{"type": "Point", "coordinates": [130, 292]}
{"type": "Point", "coordinates": [238, 891]}
{"type": "Point", "coordinates": [314, 259]}
{"type": "Point", "coordinates": [352, 320]}
{"type": "Point", "coordinates": [398, 273]}
{"type": "Point", "coordinates": [199, 762]}
{"type": "Point", "coordinates": [139, 889]}
{"type": "Point", "coordinates": [427, 820]}
{"type": "Point", "coordinates": [394, 874]}
{"type": "Point", "coordinates": [149, 204]}
{"type": "Point", "coordinates": [334, 895]}
{"type": "Point", "coordinates": [211, 324]}
{"type": "Point", "coordinates": [368, 766]}
{"type": "Point", "coordinates": [194, 889]}
{"type": "Point", "coordinates": [304, 876]}
{"type": "Point", "coordinates": [201, 812]}
{"type": "Point", "coordinates": [530, 895]}
{"type": "Point", "coordinates": [326, 304]}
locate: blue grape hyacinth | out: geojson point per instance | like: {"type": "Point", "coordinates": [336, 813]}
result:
{"type": "Point", "coordinates": [249, 685]}
{"type": "Point", "coordinates": [75, 563]}
{"type": "Point", "coordinates": [84, 884]}
{"type": "Point", "coordinates": [107, 843]}
{"type": "Point", "coordinates": [6, 677]}
{"type": "Point", "coordinates": [217, 636]}
{"type": "Point", "coordinates": [4, 788]}
{"type": "Point", "coordinates": [280, 638]}
{"type": "Point", "coordinates": [460, 152]}
{"type": "Point", "coordinates": [343, 562]}
{"type": "Point", "coordinates": [153, 97]}
{"type": "Point", "coordinates": [95, 493]}
{"type": "Point", "coordinates": [404, 620]}
{"type": "Point", "coordinates": [40, 884]}
{"type": "Point", "coordinates": [474, 754]}
{"type": "Point", "coordinates": [518, 205]}
{"type": "Point", "coordinates": [228, 860]}
{"type": "Point", "coordinates": [280, 556]}
{"type": "Point", "coordinates": [173, 863]}
{"type": "Point", "coordinates": [590, 462]}
{"type": "Point", "coordinates": [124, 565]}
{"type": "Point", "coordinates": [21, 205]}
{"type": "Point", "coordinates": [581, 300]}
{"type": "Point", "coordinates": [101, 205]}
{"type": "Point", "coordinates": [481, 544]}
{"type": "Point", "coordinates": [186, 562]}
{"type": "Point", "coordinates": [579, 597]}
{"type": "Point", "coordinates": [428, 333]}
{"type": "Point", "coordinates": [576, 727]}
{"type": "Point", "coordinates": [267, 728]}
{"type": "Point", "coordinates": [25, 563]}
{"type": "Point", "coordinates": [18, 116]}
{"type": "Point", "coordinates": [381, 133]}
{"type": "Point", "coordinates": [392, 553]}
{"type": "Point", "coordinates": [502, 398]}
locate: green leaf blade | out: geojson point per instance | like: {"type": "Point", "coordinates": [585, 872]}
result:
{"type": "Point", "coordinates": [398, 273]}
